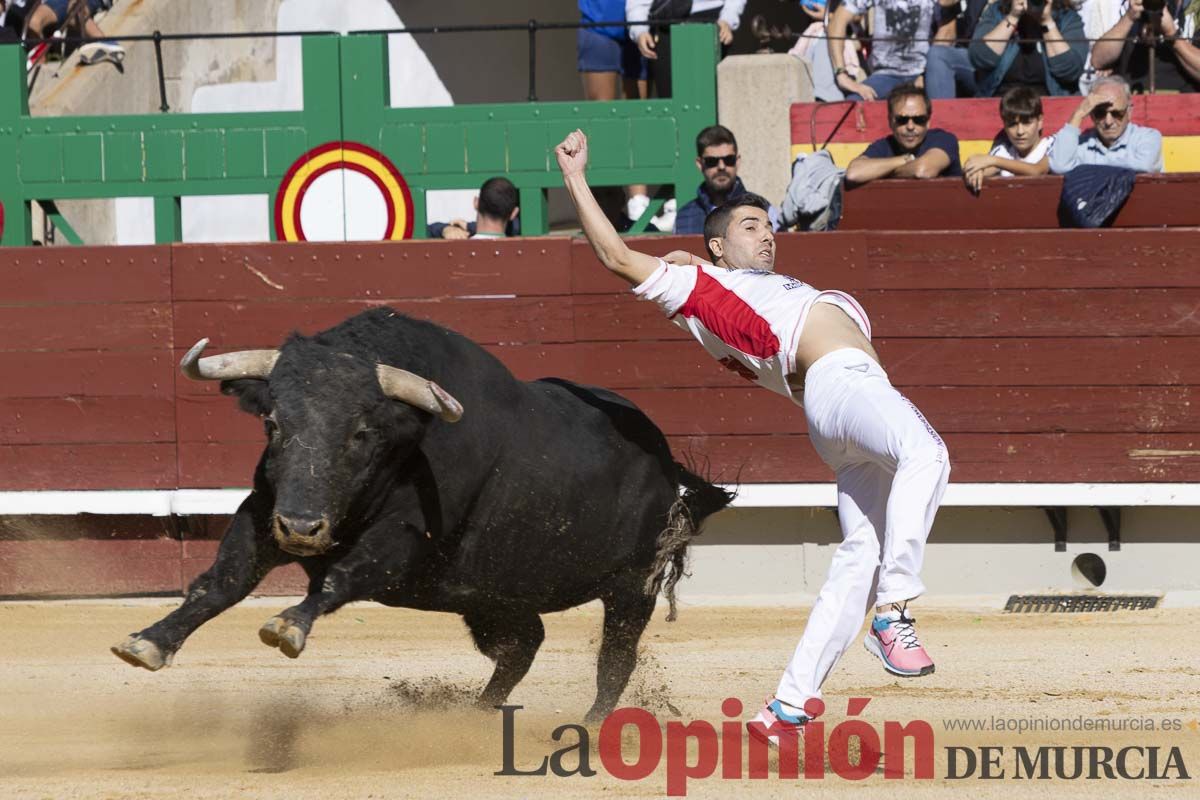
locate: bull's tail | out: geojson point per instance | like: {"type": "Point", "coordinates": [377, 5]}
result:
{"type": "Point", "coordinates": [699, 499]}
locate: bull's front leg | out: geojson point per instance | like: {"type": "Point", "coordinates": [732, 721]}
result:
{"type": "Point", "coordinates": [246, 554]}
{"type": "Point", "coordinates": [380, 562]}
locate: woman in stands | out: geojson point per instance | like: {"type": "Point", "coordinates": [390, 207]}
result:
{"type": "Point", "coordinates": [1035, 43]}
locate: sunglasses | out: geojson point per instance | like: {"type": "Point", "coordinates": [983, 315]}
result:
{"type": "Point", "coordinates": [1104, 111]}
{"type": "Point", "coordinates": [920, 120]}
{"type": "Point", "coordinates": [711, 161]}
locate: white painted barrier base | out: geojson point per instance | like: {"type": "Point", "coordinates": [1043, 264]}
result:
{"type": "Point", "coordinates": [754, 495]}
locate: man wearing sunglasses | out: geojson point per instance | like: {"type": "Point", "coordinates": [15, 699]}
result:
{"type": "Point", "coordinates": [718, 159]}
{"type": "Point", "coordinates": [1114, 140]}
{"type": "Point", "coordinates": [914, 150]}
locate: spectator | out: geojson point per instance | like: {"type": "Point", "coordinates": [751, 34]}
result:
{"type": "Point", "coordinates": [1019, 149]}
{"type": "Point", "coordinates": [1114, 140]}
{"type": "Point", "coordinates": [13, 15]}
{"type": "Point", "coordinates": [10, 31]}
{"type": "Point", "coordinates": [612, 67]}
{"type": "Point", "coordinates": [948, 69]}
{"type": "Point", "coordinates": [1098, 16]}
{"type": "Point", "coordinates": [1037, 43]}
{"type": "Point", "coordinates": [717, 157]}
{"type": "Point", "coordinates": [496, 213]}
{"type": "Point", "coordinates": [656, 45]}
{"type": "Point", "coordinates": [900, 43]}
{"type": "Point", "coordinates": [914, 150]}
{"type": "Point", "coordinates": [76, 17]}
{"type": "Point", "coordinates": [1168, 37]}
{"type": "Point", "coordinates": [813, 47]}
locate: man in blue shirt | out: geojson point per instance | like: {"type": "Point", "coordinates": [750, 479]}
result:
{"type": "Point", "coordinates": [1114, 140]}
{"type": "Point", "coordinates": [718, 159]}
{"type": "Point", "coordinates": [914, 150]}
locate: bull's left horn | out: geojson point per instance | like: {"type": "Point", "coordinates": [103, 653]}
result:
{"type": "Point", "coordinates": [423, 393]}
{"type": "Point", "coordinates": [227, 366]}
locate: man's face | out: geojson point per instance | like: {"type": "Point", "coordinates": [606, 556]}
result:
{"type": "Point", "coordinates": [719, 164]}
{"type": "Point", "coordinates": [1024, 131]}
{"type": "Point", "coordinates": [749, 241]}
{"type": "Point", "coordinates": [1111, 118]}
{"type": "Point", "coordinates": [910, 122]}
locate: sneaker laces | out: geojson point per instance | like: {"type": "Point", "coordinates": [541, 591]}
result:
{"type": "Point", "coordinates": [904, 628]}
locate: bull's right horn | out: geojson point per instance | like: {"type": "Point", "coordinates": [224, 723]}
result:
{"type": "Point", "coordinates": [400, 384]}
{"type": "Point", "coordinates": [227, 366]}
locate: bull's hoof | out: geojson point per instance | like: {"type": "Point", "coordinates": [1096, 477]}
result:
{"type": "Point", "coordinates": [284, 634]}
{"type": "Point", "coordinates": [142, 653]}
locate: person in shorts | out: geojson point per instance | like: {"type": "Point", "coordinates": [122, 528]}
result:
{"type": "Point", "coordinates": [611, 68]}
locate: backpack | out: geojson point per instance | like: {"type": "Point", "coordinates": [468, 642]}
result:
{"type": "Point", "coordinates": [1092, 194]}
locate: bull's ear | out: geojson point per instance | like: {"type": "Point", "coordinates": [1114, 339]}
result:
{"type": "Point", "coordinates": [253, 394]}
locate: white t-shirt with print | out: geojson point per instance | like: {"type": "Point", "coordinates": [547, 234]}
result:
{"type": "Point", "coordinates": [749, 320]}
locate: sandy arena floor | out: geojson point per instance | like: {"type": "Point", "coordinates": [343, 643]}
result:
{"type": "Point", "coordinates": [363, 712]}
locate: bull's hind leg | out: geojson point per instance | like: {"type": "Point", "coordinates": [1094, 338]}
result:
{"type": "Point", "coordinates": [511, 641]}
{"type": "Point", "coordinates": [626, 613]}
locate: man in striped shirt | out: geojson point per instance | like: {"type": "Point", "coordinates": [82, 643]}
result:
{"type": "Point", "coordinates": [814, 347]}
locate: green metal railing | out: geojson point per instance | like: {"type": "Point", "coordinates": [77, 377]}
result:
{"type": "Point", "coordinates": [345, 97]}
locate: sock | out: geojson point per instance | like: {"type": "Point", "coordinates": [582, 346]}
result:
{"type": "Point", "coordinates": [791, 710]}
{"type": "Point", "coordinates": [893, 611]}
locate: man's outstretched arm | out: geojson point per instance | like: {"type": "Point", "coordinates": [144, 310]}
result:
{"type": "Point", "coordinates": [631, 265]}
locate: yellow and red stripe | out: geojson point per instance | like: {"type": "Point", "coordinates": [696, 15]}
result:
{"type": "Point", "coordinates": [977, 121]}
{"type": "Point", "coordinates": [343, 155]}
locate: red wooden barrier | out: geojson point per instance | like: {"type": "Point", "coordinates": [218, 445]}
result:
{"type": "Point", "coordinates": [1072, 335]}
{"type": "Point", "coordinates": [1044, 356]}
{"type": "Point", "coordinates": [1007, 204]}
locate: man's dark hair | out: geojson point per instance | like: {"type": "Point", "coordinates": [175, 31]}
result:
{"type": "Point", "coordinates": [717, 221]}
{"type": "Point", "coordinates": [902, 92]}
{"type": "Point", "coordinates": [1020, 101]}
{"type": "Point", "coordinates": [712, 136]}
{"type": "Point", "coordinates": [497, 198]}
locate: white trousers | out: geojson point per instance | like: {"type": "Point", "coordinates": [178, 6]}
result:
{"type": "Point", "coordinates": [892, 469]}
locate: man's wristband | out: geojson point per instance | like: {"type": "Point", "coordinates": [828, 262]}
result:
{"type": "Point", "coordinates": [840, 71]}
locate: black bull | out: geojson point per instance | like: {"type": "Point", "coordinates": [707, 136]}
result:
{"type": "Point", "coordinates": [545, 495]}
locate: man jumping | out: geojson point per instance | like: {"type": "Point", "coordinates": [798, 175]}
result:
{"type": "Point", "coordinates": [814, 347]}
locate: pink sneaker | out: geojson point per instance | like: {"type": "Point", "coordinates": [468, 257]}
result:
{"type": "Point", "coordinates": [895, 642]}
{"type": "Point", "coordinates": [772, 722]}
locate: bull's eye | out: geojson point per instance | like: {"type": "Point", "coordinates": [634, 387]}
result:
{"type": "Point", "coordinates": [360, 436]}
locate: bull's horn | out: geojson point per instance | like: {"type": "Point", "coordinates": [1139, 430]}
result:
{"type": "Point", "coordinates": [423, 393]}
{"type": "Point", "coordinates": [227, 366]}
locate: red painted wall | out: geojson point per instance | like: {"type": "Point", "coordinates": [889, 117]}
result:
{"type": "Point", "coordinates": [1041, 356]}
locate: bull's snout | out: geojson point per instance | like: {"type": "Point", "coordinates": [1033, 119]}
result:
{"type": "Point", "coordinates": [302, 536]}
{"type": "Point", "coordinates": [300, 526]}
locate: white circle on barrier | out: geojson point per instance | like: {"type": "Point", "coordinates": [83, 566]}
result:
{"type": "Point", "coordinates": [343, 205]}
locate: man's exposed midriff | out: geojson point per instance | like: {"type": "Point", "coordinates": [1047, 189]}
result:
{"type": "Point", "coordinates": [826, 329]}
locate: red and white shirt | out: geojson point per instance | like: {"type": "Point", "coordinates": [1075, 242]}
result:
{"type": "Point", "coordinates": [749, 320]}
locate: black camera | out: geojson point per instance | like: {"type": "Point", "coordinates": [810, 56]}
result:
{"type": "Point", "coordinates": [1152, 15]}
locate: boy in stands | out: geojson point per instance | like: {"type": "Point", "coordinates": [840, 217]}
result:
{"type": "Point", "coordinates": [814, 346]}
{"type": "Point", "coordinates": [1020, 149]}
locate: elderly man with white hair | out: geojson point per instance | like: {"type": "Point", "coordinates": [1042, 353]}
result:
{"type": "Point", "coordinates": [1114, 140]}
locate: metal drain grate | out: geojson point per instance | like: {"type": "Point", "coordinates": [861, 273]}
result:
{"type": "Point", "coordinates": [1068, 603]}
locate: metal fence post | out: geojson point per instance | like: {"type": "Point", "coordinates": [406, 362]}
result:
{"type": "Point", "coordinates": [694, 56]}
